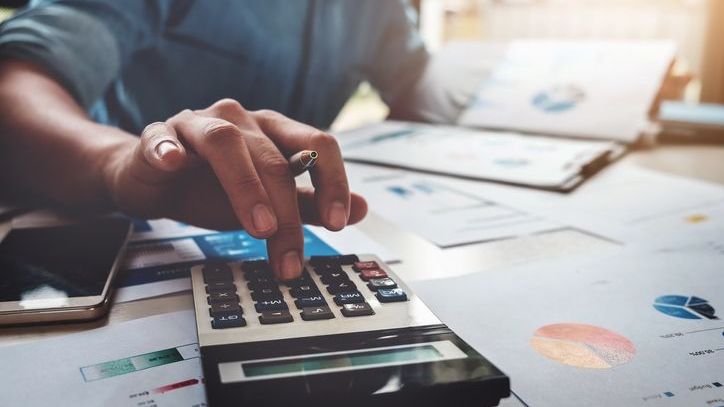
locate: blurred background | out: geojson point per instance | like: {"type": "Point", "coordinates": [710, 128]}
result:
{"type": "Point", "coordinates": [696, 26]}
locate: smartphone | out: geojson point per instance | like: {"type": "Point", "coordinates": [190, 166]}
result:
{"type": "Point", "coordinates": [61, 272]}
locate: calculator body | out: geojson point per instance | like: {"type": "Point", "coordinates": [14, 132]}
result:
{"type": "Point", "coordinates": [348, 332]}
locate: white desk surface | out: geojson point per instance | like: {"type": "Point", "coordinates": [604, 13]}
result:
{"type": "Point", "coordinates": [421, 259]}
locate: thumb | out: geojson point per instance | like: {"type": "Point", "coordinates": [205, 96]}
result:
{"type": "Point", "coordinates": [159, 155]}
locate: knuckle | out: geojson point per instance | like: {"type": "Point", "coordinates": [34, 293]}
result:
{"type": "Point", "coordinates": [220, 131]}
{"type": "Point", "coordinates": [154, 130]}
{"type": "Point", "coordinates": [322, 140]}
{"type": "Point", "coordinates": [248, 183]}
{"type": "Point", "coordinates": [229, 106]}
{"type": "Point", "coordinates": [266, 114]}
{"type": "Point", "coordinates": [276, 166]}
{"type": "Point", "coordinates": [289, 227]}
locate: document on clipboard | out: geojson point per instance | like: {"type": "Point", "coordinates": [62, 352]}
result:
{"type": "Point", "coordinates": [507, 157]}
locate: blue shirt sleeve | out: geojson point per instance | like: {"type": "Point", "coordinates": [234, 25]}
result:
{"type": "Point", "coordinates": [83, 44]}
{"type": "Point", "coordinates": [399, 58]}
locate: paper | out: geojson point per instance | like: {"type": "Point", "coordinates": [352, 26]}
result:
{"type": "Point", "coordinates": [162, 252]}
{"type": "Point", "coordinates": [147, 362]}
{"type": "Point", "coordinates": [445, 215]}
{"type": "Point", "coordinates": [573, 88]}
{"type": "Point", "coordinates": [625, 329]}
{"type": "Point", "coordinates": [541, 162]}
{"type": "Point", "coordinates": [623, 203]}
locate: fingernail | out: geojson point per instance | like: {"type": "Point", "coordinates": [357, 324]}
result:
{"type": "Point", "coordinates": [263, 218]}
{"type": "Point", "coordinates": [164, 148]}
{"type": "Point", "coordinates": [337, 215]}
{"type": "Point", "coordinates": [291, 265]}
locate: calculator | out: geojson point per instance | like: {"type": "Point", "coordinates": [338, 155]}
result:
{"type": "Point", "coordinates": [348, 332]}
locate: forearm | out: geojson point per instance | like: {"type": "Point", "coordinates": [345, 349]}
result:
{"type": "Point", "coordinates": [49, 148]}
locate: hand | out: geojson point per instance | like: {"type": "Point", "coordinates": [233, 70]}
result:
{"type": "Point", "coordinates": [225, 166]}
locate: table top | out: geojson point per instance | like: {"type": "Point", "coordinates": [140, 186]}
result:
{"type": "Point", "coordinates": [422, 259]}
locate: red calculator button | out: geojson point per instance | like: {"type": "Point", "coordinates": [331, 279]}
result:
{"type": "Point", "coordinates": [374, 273]}
{"type": "Point", "coordinates": [365, 265]}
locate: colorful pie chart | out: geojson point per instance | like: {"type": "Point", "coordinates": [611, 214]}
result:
{"type": "Point", "coordinates": [582, 345]}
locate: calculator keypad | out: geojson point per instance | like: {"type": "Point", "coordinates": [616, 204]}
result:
{"type": "Point", "coordinates": [272, 299]}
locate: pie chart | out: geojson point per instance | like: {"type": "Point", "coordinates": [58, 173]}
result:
{"type": "Point", "coordinates": [681, 306]}
{"type": "Point", "coordinates": [582, 345]}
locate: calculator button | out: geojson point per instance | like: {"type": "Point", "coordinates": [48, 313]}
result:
{"type": "Point", "coordinates": [370, 274]}
{"type": "Point", "coordinates": [349, 298]}
{"type": "Point", "coordinates": [254, 286]}
{"type": "Point", "coordinates": [217, 272]}
{"type": "Point", "coordinates": [266, 294]}
{"type": "Point", "coordinates": [341, 259]}
{"type": "Point", "coordinates": [271, 305]}
{"type": "Point", "coordinates": [275, 317]}
{"type": "Point", "coordinates": [224, 307]}
{"type": "Point", "coordinates": [304, 291]}
{"type": "Point", "coordinates": [391, 295]}
{"type": "Point", "coordinates": [257, 274]}
{"type": "Point", "coordinates": [304, 279]}
{"type": "Point", "coordinates": [251, 265]}
{"type": "Point", "coordinates": [219, 296]}
{"type": "Point", "coordinates": [341, 287]}
{"type": "Point", "coordinates": [332, 278]}
{"type": "Point", "coordinates": [220, 286]}
{"type": "Point", "coordinates": [231, 320]}
{"type": "Point", "coordinates": [357, 310]}
{"type": "Point", "coordinates": [316, 313]}
{"type": "Point", "coordinates": [310, 301]}
{"type": "Point", "coordinates": [328, 268]}
{"type": "Point", "coordinates": [365, 265]}
{"type": "Point", "coordinates": [377, 283]}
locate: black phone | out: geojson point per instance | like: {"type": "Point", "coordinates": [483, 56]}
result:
{"type": "Point", "coordinates": [60, 272]}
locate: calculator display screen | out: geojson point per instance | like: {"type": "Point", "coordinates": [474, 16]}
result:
{"type": "Point", "coordinates": [423, 353]}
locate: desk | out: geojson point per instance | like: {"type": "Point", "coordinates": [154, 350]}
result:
{"type": "Point", "coordinates": [422, 259]}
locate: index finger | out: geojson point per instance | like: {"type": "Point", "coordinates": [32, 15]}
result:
{"type": "Point", "coordinates": [328, 175]}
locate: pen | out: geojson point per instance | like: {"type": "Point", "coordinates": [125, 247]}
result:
{"type": "Point", "coordinates": [303, 161]}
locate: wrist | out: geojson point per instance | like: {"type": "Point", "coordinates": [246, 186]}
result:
{"type": "Point", "coordinates": [109, 162]}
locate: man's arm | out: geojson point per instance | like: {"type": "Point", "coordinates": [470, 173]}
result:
{"type": "Point", "coordinates": [219, 167]}
{"type": "Point", "coordinates": [48, 146]}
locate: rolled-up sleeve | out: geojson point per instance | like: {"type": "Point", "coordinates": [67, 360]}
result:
{"type": "Point", "coordinates": [400, 56]}
{"type": "Point", "coordinates": [83, 44]}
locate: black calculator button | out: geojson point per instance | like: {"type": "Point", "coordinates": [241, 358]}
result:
{"type": "Point", "coordinates": [257, 274]}
{"type": "Point", "coordinates": [266, 294]}
{"type": "Point", "coordinates": [224, 307]}
{"type": "Point", "coordinates": [391, 295]}
{"type": "Point", "coordinates": [252, 265]}
{"type": "Point", "coordinates": [349, 298]}
{"type": "Point", "coordinates": [341, 287]}
{"type": "Point", "coordinates": [357, 310]}
{"type": "Point", "coordinates": [271, 305]}
{"type": "Point", "coordinates": [377, 283]}
{"type": "Point", "coordinates": [316, 313]}
{"type": "Point", "coordinates": [304, 291]}
{"type": "Point", "coordinates": [340, 259]}
{"type": "Point", "coordinates": [220, 286]}
{"type": "Point", "coordinates": [217, 272]}
{"type": "Point", "coordinates": [328, 268]}
{"type": "Point", "coordinates": [230, 320]}
{"type": "Point", "coordinates": [275, 317]}
{"type": "Point", "coordinates": [310, 301]}
{"type": "Point", "coordinates": [304, 279]}
{"type": "Point", "coordinates": [254, 286]}
{"type": "Point", "coordinates": [219, 296]}
{"type": "Point", "coordinates": [332, 278]}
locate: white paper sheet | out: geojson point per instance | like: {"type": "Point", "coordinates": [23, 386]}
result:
{"type": "Point", "coordinates": [151, 361]}
{"type": "Point", "coordinates": [587, 332]}
{"type": "Point", "coordinates": [624, 203]}
{"type": "Point", "coordinates": [573, 88]}
{"type": "Point", "coordinates": [444, 214]}
{"type": "Point", "coordinates": [536, 161]}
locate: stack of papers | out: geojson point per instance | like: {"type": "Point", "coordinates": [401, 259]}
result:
{"type": "Point", "coordinates": [535, 161]}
